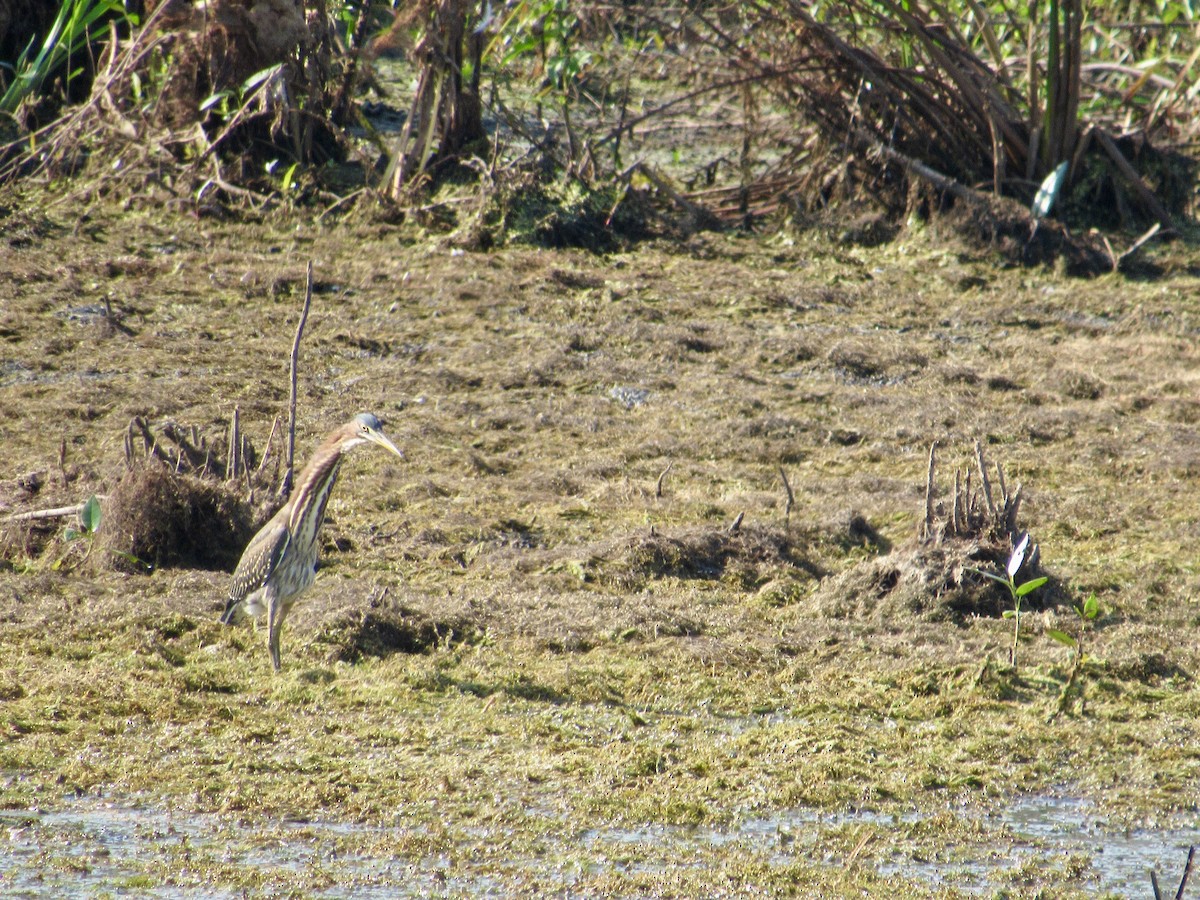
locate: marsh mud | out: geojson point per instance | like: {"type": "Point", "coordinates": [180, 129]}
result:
{"type": "Point", "coordinates": [584, 608]}
{"type": "Point", "coordinates": [90, 846]}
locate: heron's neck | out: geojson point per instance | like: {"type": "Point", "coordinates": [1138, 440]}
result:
{"type": "Point", "coordinates": [312, 492]}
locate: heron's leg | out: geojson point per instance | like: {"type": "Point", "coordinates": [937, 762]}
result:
{"type": "Point", "coordinates": [276, 613]}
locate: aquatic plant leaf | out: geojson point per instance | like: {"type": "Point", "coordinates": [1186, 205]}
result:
{"type": "Point", "coordinates": [1048, 192]}
{"type": "Point", "coordinates": [1018, 555]}
{"type": "Point", "coordinates": [1062, 637]}
{"type": "Point", "coordinates": [1029, 586]}
{"type": "Point", "coordinates": [89, 516]}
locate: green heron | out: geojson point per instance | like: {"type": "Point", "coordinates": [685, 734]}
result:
{"type": "Point", "coordinates": [281, 561]}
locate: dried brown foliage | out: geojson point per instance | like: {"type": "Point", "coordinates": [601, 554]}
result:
{"type": "Point", "coordinates": [917, 108]}
{"type": "Point", "coordinates": [200, 94]}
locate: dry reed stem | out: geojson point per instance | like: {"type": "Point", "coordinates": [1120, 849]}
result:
{"type": "Point", "coordinates": [285, 489]}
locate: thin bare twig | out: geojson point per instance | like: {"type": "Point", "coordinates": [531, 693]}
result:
{"type": "Point", "coordinates": [1138, 244]}
{"type": "Point", "coordinates": [285, 489]}
{"type": "Point", "coordinates": [862, 842]}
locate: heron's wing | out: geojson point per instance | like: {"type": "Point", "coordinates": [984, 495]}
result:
{"type": "Point", "coordinates": [259, 560]}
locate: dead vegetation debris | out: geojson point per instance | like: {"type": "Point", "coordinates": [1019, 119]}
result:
{"type": "Point", "coordinates": [159, 517]}
{"type": "Point", "coordinates": [188, 496]}
{"type": "Point", "coordinates": [935, 577]}
{"type": "Point", "coordinates": [198, 97]}
{"type": "Point", "coordinates": [746, 556]}
{"type": "Point", "coordinates": [183, 498]}
{"type": "Point", "coordinates": [385, 627]}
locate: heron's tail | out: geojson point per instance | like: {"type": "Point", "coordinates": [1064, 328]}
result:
{"type": "Point", "coordinates": [231, 611]}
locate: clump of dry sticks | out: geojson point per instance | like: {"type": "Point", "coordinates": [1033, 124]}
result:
{"type": "Point", "coordinates": [975, 512]}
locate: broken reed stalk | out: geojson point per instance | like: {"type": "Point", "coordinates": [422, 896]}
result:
{"type": "Point", "coordinates": [1187, 871]}
{"type": "Point", "coordinates": [791, 500]}
{"type": "Point", "coordinates": [1144, 194]}
{"type": "Point", "coordinates": [928, 529]}
{"type": "Point", "coordinates": [987, 486]}
{"type": "Point", "coordinates": [658, 487]}
{"type": "Point", "coordinates": [703, 217]}
{"type": "Point", "coordinates": [231, 467]}
{"type": "Point", "coordinates": [39, 514]}
{"type": "Point", "coordinates": [285, 489]}
{"type": "Point", "coordinates": [262, 464]}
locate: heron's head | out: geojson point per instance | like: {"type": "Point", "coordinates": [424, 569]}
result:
{"type": "Point", "coordinates": [366, 428]}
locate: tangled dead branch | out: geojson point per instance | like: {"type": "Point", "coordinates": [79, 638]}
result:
{"type": "Point", "coordinates": [916, 111]}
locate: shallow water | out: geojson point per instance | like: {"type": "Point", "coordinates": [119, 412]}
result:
{"type": "Point", "coordinates": [91, 846]}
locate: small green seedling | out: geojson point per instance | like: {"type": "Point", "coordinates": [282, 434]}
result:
{"type": "Point", "coordinates": [1088, 611]}
{"type": "Point", "coordinates": [89, 520]}
{"type": "Point", "coordinates": [1017, 591]}
{"type": "Point", "coordinates": [89, 524]}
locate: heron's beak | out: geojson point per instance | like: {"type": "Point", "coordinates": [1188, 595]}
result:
{"type": "Point", "coordinates": [378, 437]}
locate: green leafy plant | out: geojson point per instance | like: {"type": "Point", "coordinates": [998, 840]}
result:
{"type": "Point", "coordinates": [547, 30]}
{"type": "Point", "coordinates": [1088, 611]}
{"type": "Point", "coordinates": [146, 86]}
{"type": "Point", "coordinates": [1018, 592]}
{"type": "Point", "coordinates": [285, 179]}
{"type": "Point", "coordinates": [89, 521]}
{"type": "Point", "coordinates": [67, 39]}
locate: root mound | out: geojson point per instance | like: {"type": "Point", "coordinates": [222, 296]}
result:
{"type": "Point", "coordinates": [746, 557]}
{"type": "Point", "coordinates": [386, 628]}
{"type": "Point", "coordinates": [160, 518]}
{"type": "Point", "coordinates": [935, 583]}
{"type": "Point", "coordinates": [939, 577]}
